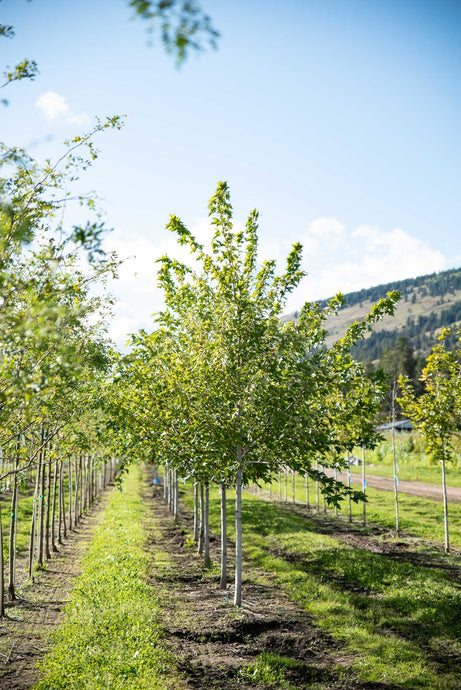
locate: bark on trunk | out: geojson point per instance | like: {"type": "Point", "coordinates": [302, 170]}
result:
{"type": "Point", "coordinates": [13, 523]}
{"type": "Point", "coordinates": [196, 523]}
{"type": "Point", "coordinates": [47, 511]}
{"type": "Point", "coordinates": [238, 533]}
{"type": "Point", "coordinates": [2, 570]}
{"type": "Point", "coordinates": [223, 579]}
{"type": "Point", "coordinates": [53, 508]}
{"type": "Point", "coordinates": [445, 504]}
{"type": "Point", "coordinates": [364, 487]}
{"type": "Point", "coordinates": [201, 525]}
{"type": "Point", "coordinates": [33, 522]}
{"type": "Point", "coordinates": [206, 546]}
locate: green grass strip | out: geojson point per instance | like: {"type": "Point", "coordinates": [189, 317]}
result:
{"type": "Point", "coordinates": [393, 618]}
{"type": "Point", "coordinates": [111, 635]}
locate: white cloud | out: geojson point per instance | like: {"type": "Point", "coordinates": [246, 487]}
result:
{"type": "Point", "coordinates": [136, 290]}
{"type": "Point", "coordinates": [55, 106]}
{"type": "Point", "coordinates": [345, 260]}
{"type": "Point", "coordinates": [52, 104]}
{"type": "Point", "coordinates": [336, 259]}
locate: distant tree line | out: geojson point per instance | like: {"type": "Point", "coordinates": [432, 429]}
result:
{"type": "Point", "coordinates": [435, 284]}
{"type": "Point", "coordinates": [420, 332]}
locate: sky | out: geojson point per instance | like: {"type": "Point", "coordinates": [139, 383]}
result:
{"type": "Point", "coordinates": [338, 121]}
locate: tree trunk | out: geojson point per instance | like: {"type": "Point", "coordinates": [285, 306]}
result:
{"type": "Point", "coordinates": [13, 523]}
{"type": "Point", "coordinates": [336, 490]}
{"type": "Point", "coordinates": [201, 533]}
{"type": "Point", "coordinates": [60, 510]}
{"type": "Point", "coordinates": [317, 489]}
{"type": "Point", "coordinates": [53, 508]}
{"type": "Point", "coordinates": [71, 479]}
{"type": "Point", "coordinates": [175, 495]}
{"type": "Point", "coordinates": [394, 464]}
{"type": "Point", "coordinates": [223, 579]}
{"type": "Point", "coordinates": [2, 569]}
{"type": "Point", "coordinates": [41, 503]}
{"type": "Point", "coordinates": [307, 491]}
{"type": "Point", "coordinates": [238, 532]}
{"type": "Point", "coordinates": [206, 546]}
{"type": "Point", "coordinates": [33, 522]}
{"type": "Point", "coordinates": [364, 487]}
{"type": "Point", "coordinates": [349, 485]}
{"type": "Point", "coordinates": [196, 523]}
{"type": "Point", "coordinates": [293, 487]}
{"type": "Point", "coordinates": [445, 503]}
{"type": "Point", "coordinates": [47, 511]}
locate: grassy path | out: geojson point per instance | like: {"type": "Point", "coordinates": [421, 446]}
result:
{"type": "Point", "coordinates": [24, 632]}
{"type": "Point", "coordinates": [111, 637]}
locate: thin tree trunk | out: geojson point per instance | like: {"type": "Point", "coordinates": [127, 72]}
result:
{"type": "Point", "coordinates": [238, 532]}
{"type": "Point", "coordinates": [201, 534]}
{"type": "Point", "coordinates": [196, 522]}
{"type": "Point", "coordinates": [445, 502]}
{"type": "Point", "coordinates": [175, 495]}
{"type": "Point", "coordinates": [2, 569]}
{"type": "Point", "coordinates": [364, 487]}
{"type": "Point", "coordinates": [13, 523]}
{"type": "Point", "coordinates": [394, 464]}
{"type": "Point", "coordinates": [41, 505]}
{"type": "Point", "coordinates": [71, 494]}
{"type": "Point", "coordinates": [33, 525]}
{"type": "Point", "coordinates": [60, 508]}
{"type": "Point", "coordinates": [307, 491]}
{"type": "Point", "coordinates": [293, 486]}
{"type": "Point", "coordinates": [47, 511]}
{"type": "Point", "coordinates": [77, 511]}
{"type": "Point", "coordinates": [206, 547]}
{"type": "Point", "coordinates": [223, 579]}
{"type": "Point", "coordinates": [317, 489]}
{"type": "Point", "coordinates": [336, 489]}
{"type": "Point", "coordinates": [53, 508]}
{"type": "Point", "coordinates": [349, 485]}
{"type": "Point", "coordinates": [286, 486]}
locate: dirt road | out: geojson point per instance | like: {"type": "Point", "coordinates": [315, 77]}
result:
{"type": "Point", "coordinates": [431, 491]}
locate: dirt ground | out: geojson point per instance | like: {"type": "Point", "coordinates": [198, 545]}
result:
{"type": "Point", "coordinates": [25, 630]}
{"type": "Point", "coordinates": [213, 642]}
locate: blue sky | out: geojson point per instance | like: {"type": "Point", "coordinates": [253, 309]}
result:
{"type": "Point", "coordinates": [338, 121]}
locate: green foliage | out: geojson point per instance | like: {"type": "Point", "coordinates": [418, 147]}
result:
{"type": "Point", "coordinates": [182, 24]}
{"type": "Point", "coordinates": [437, 412]}
{"type": "Point", "coordinates": [111, 636]}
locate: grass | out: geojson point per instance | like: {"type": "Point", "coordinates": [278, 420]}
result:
{"type": "Point", "coordinates": [270, 669]}
{"type": "Point", "coordinates": [111, 637]}
{"type": "Point", "coordinates": [25, 504]}
{"type": "Point", "coordinates": [418, 516]}
{"type": "Point", "coordinates": [394, 619]}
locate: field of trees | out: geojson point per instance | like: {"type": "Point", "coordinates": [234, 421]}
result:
{"type": "Point", "coordinates": [220, 505]}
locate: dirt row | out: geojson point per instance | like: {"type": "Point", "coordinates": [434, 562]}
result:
{"type": "Point", "coordinates": [213, 642]}
{"type": "Point", "coordinates": [25, 630]}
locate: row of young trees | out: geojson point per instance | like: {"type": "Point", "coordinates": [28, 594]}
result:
{"type": "Point", "coordinates": [222, 391]}
{"type": "Point", "coordinates": [54, 355]}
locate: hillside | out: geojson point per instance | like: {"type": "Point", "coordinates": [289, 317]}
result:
{"type": "Point", "coordinates": [427, 304]}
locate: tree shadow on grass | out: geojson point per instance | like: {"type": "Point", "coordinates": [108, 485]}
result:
{"type": "Point", "coordinates": [420, 604]}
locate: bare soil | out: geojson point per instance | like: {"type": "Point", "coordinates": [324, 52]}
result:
{"type": "Point", "coordinates": [25, 630]}
{"type": "Point", "coordinates": [213, 641]}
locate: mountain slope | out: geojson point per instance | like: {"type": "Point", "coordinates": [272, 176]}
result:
{"type": "Point", "coordinates": [427, 304]}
